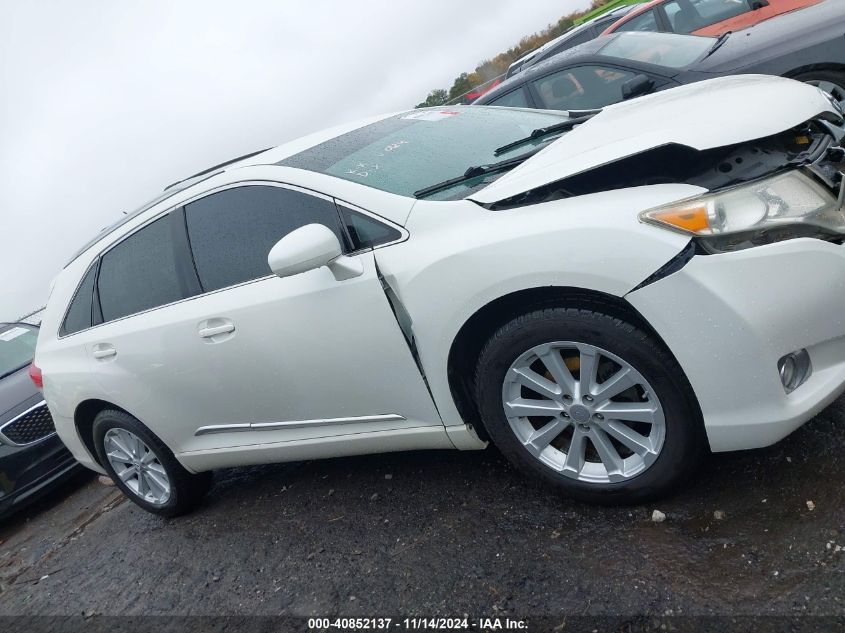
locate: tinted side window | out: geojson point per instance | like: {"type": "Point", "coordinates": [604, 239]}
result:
{"type": "Point", "coordinates": [365, 231]}
{"type": "Point", "coordinates": [232, 232]}
{"type": "Point", "coordinates": [139, 273]}
{"type": "Point", "coordinates": [78, 315]}
{"type": "Point", "coordinates": [582, 88]}
{"type": "Point", "coordinates": [514, 99]}
{"type": "Point", "coordinates": [645, 22]}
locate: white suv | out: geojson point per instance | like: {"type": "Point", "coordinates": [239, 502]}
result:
{"type": "Point", "coordinates": [603, 295]}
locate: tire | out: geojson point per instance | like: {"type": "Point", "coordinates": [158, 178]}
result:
{"type": "Point", "coordinates": [676, 431]}
{"type": "Point", "coordinates": [831, 81]}
{"type": "Point", "coordinates": [186, 490]}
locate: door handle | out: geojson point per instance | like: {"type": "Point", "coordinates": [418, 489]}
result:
{"type": "Point", "coordinates": [208, 332]}
{"type": "Point", "coordinates": [103, 351]}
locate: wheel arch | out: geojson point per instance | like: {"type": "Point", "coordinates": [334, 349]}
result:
{"type": "Point", "coordinates": [83, 420]}
{"type": "Point", "coordinates": [478, 328]}
{"type": "Point", "coordinates": [815, 67]}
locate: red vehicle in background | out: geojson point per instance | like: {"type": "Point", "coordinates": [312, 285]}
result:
{"type": "Point", "coordinates": [704, 17]}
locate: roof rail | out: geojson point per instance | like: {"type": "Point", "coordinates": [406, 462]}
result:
{"type": "Point", "coordinates": [215, 167]}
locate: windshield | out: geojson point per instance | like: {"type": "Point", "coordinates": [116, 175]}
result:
{"type": "Point", "coordinates": [414, 150]}
{"type": "Point", "coordinates": [17, 347]}
{"type": "Point", "coordinates": [663, 49]}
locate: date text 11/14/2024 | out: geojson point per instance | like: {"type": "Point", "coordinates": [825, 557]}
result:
{"type": "Point", "coordinates": [418, 624]}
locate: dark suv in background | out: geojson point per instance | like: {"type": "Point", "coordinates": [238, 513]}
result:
{"type": "Point", "coordinates": [32, 458]}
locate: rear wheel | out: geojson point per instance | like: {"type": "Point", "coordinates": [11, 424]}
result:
{"type": "Point", "coordinates": [831, 81]}
{"type": "Point", "coordinates": [589, 403]}
{"type": "Point", "coordinates": [144, 468]}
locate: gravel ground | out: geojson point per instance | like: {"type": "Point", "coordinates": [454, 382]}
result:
{"type": "Point", "coordinates": [757, 533]}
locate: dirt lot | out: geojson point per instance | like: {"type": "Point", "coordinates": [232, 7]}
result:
{"type": "Point", "coordinates": [447, 533]}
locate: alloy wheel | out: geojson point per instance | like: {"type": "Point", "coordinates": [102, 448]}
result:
{"type": "Point", "coordinates": [833, 89]}
{"type": "Point", "coordinates": [584, 412]}
{"type": "Point", "coordinates": [137, 466]}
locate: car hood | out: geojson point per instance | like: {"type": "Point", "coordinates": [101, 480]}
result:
{"type": "Point", "coordinates": [782, 36]}
{"type": "Point", "coordinates": [745, 20]}
{"type": "Point", "coordinates": [17, 392]}
{"type": "Point", "coordinates": [703, 115]}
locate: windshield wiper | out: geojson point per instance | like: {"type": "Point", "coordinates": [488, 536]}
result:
{"type": "Point", "coordinates": [474, 172]}
{"type": "Point", "coordinates": [540, 132]}
{"type": "Point", "coordinates": [718, 43]}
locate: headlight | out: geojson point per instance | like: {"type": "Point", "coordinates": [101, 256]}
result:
{"type": "Point", "coordinates": [786, 206]}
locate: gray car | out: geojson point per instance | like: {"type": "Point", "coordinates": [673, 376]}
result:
{"type": "Point", "coordinates": [806, 45]}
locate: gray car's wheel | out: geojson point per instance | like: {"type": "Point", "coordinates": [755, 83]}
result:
{"type": "Point", "coordinates": [831, 81]}
{"type": "Point", "coordinates": [144, 468]}
{"type": "Point", "coordinates": [591, 404]}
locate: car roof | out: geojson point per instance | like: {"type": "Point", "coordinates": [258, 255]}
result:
{"type": "Point", "coordinates": [263, 157]}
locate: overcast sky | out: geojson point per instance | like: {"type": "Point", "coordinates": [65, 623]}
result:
{"type": "Point", "coordinates": [102, 103]}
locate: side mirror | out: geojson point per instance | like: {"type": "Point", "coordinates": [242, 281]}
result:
{"type": "Point", "coordinates": [310, 247]}
{"type": "Point", "coordinates": [636, 87]}
{"type": "Point", "coordinates": [759, 4]}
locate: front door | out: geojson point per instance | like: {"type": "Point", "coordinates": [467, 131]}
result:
{"type": "Point", "coordinates": [306, 356]}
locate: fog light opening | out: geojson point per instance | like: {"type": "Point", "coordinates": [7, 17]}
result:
{"type": "Point", "coordinates": [794, 369]}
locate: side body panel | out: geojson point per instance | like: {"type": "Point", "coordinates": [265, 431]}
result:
{"type": "Point", "coordinates": [308, 349]}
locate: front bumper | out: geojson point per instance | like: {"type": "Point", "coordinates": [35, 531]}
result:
{"type": "Point", "coordinates": [26, 472]}
{"type": "Point", "coordinates": [728, 318]}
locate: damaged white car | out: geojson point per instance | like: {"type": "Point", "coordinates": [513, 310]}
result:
{"type": "Point", "coordinates": [603, 295]}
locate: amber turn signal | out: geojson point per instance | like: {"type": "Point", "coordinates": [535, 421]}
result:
{"type": "Point", "coordinates": [689, 219]}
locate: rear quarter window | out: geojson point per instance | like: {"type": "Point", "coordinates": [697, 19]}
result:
{"type": "Point", "coordinates": [79, 312]}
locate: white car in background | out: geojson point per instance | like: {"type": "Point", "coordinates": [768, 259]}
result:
{"type": "Point", "coordinates": [604, 295]}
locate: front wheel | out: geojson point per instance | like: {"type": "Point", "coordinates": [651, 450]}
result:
{"type": "Point", "coordinates": [144, 468]}
{"type": "Point", "coordinates": [589, 403]}
{"type": "Point", "coordinates": [831, 81]}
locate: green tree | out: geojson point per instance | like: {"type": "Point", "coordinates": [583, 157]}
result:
{"type": "Point", "coordinates": [436, 97]}
{"type": "Point", "coordinates": [463, 83]}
